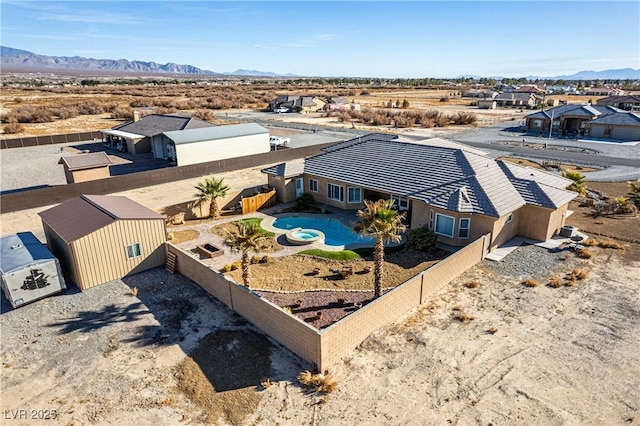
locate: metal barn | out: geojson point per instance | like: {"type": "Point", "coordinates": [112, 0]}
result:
{"type": "Point", "coordinates": [29, 270]}
{"type": "Point", "coordinates": [101, 238]}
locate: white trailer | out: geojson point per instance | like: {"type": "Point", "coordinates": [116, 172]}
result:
{"type": "Point", "coordinates": [29, 270]}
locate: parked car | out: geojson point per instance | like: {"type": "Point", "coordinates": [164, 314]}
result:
{"type": "Point", "coordinates": [277, 141]}
{"type": "Point", "coordinates": [281, 110]}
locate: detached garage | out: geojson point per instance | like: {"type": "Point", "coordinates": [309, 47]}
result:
{"type": "Point", "coordinates": [196, 146]}
{"type": "Point", "coordinates": [29, 271]}
{"type": "Point", "coordinates": [102, 238]}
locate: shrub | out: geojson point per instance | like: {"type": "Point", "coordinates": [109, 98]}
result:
{"type": "Point", "coordinates": [584, 253]}
{"type": "Point", "coordinates": [555, 282]}
{"type": "Point", "coordinates": [578, 184]}
{"type": "Point", "coordinates": [265, 259]}
{"type": "Point", "coordinates": [423, 239]}
{"type": "Point", "coordinates": [590, 242]}
{"type": "Point", "coordinates": [90, 107]}
{"type": "Point", "coordinates": [472, 284]}
{"type": "Point", "coordinates": [226, 268]}
{"type": "Point", "coordinates": [530, 282]}
{"type": "Point", "coordinates": [610, 244]}
{"type": "Point", "coordinates": [462, 317]}
{"type": "Point", "coordinates": [323, 383]}
{"type": "Point", "coordinates": [204, 114]}
{"type": "Point", "coordinates": [122, 113]}
{"type": "Point", "coordinates": [13, 128]}
{"type": "Point", "coordinates": [255, 259]}
{"type": "Point", "coordinates": [444, 99]}
{"type": "Point", "coordinates": [304, 201]}
{"type": "Point", "coordinates": [236, 265]}
{"type": "Point", "coordinates": [464, 117]}
{"type": "Point", "coordinates": [492, 330]}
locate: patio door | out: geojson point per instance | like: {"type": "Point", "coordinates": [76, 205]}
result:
{"type": "Point", "coordinates": [299, 187]}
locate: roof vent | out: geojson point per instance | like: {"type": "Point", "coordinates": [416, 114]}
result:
{"type": "Point", "coordinates": [17, 246]}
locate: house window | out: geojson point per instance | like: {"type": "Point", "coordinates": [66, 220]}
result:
{"type": "Point", "coordinates": [537, 123]}
{"type": "Point", "coordinates": [313, 185]}
{"type": "Point", "coordinates": [431, 219]}
{"type": "Point", "coordinates": [444, 225]}
{"type": "Point", "coordinates": [354, 195]}
{"type": "Point", "coordinates": [402, 203]}
{"type": "Point", "coordinates": [133, 251]}
{"type": "Point", "coordinates": [463, 228]}
{"type": "Point", "coordinates": [335, 192]}
{"type": "Point", "coordinates": [508, 219]}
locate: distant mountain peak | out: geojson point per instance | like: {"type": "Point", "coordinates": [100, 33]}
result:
{"type": "Point", "coordinates": [256, 73]}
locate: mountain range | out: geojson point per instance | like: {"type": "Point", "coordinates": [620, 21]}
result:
{"type": "Point", "coordinates": [21, 60]}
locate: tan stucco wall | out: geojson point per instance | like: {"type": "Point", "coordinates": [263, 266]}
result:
{"type": "Point", "coordinates": [101, 255]}
{"type": "Point", "coordinates": [321, 196]}
{"type": "Point", "coordinates": [539, 223]}
{"type": "Point", "coordinates": [78, 176]}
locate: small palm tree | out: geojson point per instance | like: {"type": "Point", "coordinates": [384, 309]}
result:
{"type": "Point", "coordinates": [578, 184]}
{"type": "Point", "coordinates": [381, 221]}
{"type": "Point", "coordinates": [210, 189]}
{"type": "Point", "coordinates": [634, 192]}
{"type": "Point", "coordinates": [247, 238]}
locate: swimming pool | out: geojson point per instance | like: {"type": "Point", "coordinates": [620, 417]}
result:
{"type": "Point", "coordinates": [335, 233]}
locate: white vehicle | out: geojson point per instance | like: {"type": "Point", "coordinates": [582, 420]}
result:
{"type": "Point", "coordinates": [280, 110]}
{"type": "Point", "coordinates": [278, 141]}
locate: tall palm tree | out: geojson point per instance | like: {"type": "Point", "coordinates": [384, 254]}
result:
{"type": "Point", "coordinates": [210, 189]}
{"type": "Point", "coordinates": [578, 184]}
{"type": "Point", "coordinates": [381, 221]}
{"type": "Point", "coordinates": [247, 238]}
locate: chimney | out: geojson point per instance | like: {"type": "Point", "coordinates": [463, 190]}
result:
{"type": "Point", "coordinates": [136, 115]}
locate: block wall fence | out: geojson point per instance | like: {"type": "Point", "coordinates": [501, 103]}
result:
{"type": "Point", "coordinates": [325, 348]}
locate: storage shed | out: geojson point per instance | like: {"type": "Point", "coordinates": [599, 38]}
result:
{"type": "Point", "coordinates": [29, 271]}
{"type": "Point", "coordinates": [85, 167]}
{"type": "Point", "coordinates": [100, 238]}
{"type": "Point", "coordinates": [196, 146]}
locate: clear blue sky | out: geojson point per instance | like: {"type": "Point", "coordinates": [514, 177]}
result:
{"type": "Point", "coordinates": [367, 39]}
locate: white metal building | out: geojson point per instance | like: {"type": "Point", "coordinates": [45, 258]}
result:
{"type": "Point", "coordinates": [29, 270]}
{"type": "Point", "coordinates": [196, 146]}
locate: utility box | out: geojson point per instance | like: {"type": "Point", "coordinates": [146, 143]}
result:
{"type": "Point", "coordinates": [29, 270]}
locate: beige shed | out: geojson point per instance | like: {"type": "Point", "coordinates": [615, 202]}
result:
{"type": "Point", "coordinates": [100, 238]}
{"type": "Point", "coordinates": [85, 167]}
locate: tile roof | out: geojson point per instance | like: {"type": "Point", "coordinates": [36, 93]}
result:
{"type": "Point", "coordinates": [287, 169]}
{"type": "Point", "coordinates": [80, 216]}
{"type": "Point", "coordinates": [512, 96]}
{"type": "Point", "coordinates": [86, 161]}
{"type": "Point", "coordinates": [585, 110]}
{"type": "Point", "coordinates": [440, 176]}
{"type": "Point", "coordinates": [155, 124]}
{"type": "Point", "coordinates": [624, 118]}
{"type": "Point", "coordinates": [538, 187]}
{"type": "Point", "coordinates": [217, 132]}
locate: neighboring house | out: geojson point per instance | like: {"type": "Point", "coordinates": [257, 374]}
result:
{"type": "Point", "coordinates": [144, 135]}
{"type": "Point", "coordinates": [308, 104]}
{"type": "Point", "coordinates": [195, 146]}
{"type": "Point", "coordinates": [458, 193]}
{"type": "Point", "coordinates": [567, 119]}
{"type": "Point", "coordinates": [100, 238]}
{"type": "Point", "coordinates": [283, 101]}
{"type": "Point", "coordinates": [622, 125]}
{"type": "Point", "coordinates": [84, 167]}
{"type": "Point", "coordinates": [479, 93]}
{"type": "Point", "coordinates": [518, 100]}
{"type": "Point", "coordinates": [602, 91]}
{"type": "Point", "coordinates": [529, 88]}
{"type": "Point", "coordinates": [341, 104]}
{"type": "Point", "coordinates": [628, 103]}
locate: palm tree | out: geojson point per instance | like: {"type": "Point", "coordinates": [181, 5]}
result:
{"type": "Point", "coordinates": [247, 238]}
{"type": "Point", "coordinates": [634, 192]}
{"type": "Point", "coordinates": [210, 189]}
{"type": "Point", "coordinates": [381, 221]}
{"type": "Point", "coordinates": [578, 184]}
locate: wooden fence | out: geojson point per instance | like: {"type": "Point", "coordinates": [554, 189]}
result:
{"type": "Point", "coordinates": [259, 201]}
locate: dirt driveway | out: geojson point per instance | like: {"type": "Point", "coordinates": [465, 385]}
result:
{"type": "Point", "coordinates": [530, 355]}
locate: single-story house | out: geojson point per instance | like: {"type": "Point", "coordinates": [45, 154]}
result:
{"type": "Point", "coordinates": [529, 88]}
{"type": "Point", "coordinates": [622, 125]}
{"type": "Point", "coordinates": [283, 101]}
{"type": "Point", "coordinates": [628, 103]}
{"type": "Point", "coordinates": [602, 91]}
{"type": "Point", "coordinates": [143, 135]}
{"type": "Point", "coordinates": [85, 167]}
{"type": "Point", "coordinates": [566, 119]}
{"type": "Point", "coordinates": [196, 146]}
{"type": "Point", "coordinates": [522, 100]}
{"type": "Point", "coordinates": [480, 93]}
{"type": "Point", "coordinates": [455, 191]}
{"type": "Point", "coordinates": [308, 104]}
{"type": "Point", "coordinates": [100, 238]}
{"type": "Point", "coordinates": [341, 104]}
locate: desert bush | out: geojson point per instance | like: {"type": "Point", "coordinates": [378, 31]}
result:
{"type": "Point", "coordinates": [255, 259]}
{"type": "Point", "coordinates": [492, 330]}
{"type": "Point", "coordinates": [13, 128]}
{"type": "Point", "coordinates": [304, 201]}
{"type": "Point", "coordinates": [122, 113]}
{"type": "Point", "coordinates": [578, 185]}
{"type": "Point", "coordinates": [462, 317]}
{"type": "Point", "coordinates": [323, 383]}
{"type": "Point", "coordinates": [590, 242]}
{"type": "Point", "coordinates": [555, 282]}
{"type": "Point", "coordinates": [444, 99]}
{"type": "Point", "coordinates": [66, 112]}
{"type": "Point", "coordinates": [226, 268]}
{"type": "Point", "coordinates": [163, 110]}
{"type": "Point", "coordinates": [134, 291]}
{"type": "Point", "coordinates": [442, 121]}
{"type": "Point", "coordinates": [575, 275]}
{"type": "Point", "coordinates": [463, 117]}
{"type": "Point", "coordinates": [634, 192]}
{"type": "Point", "coordinates": [236, 265]}
{"type": "Point", "coordinates": [204, 114]}
{"type": "Point", "coordinates": [90, 107]}
{"type": "Point", "coordinates": [141, 103]}
{"type": "Point", "coordinates": [472, 284]}
{"type": "Point", "coordinates": [530, 282]}
{"type": "Point", "coordinates": [265, 259]}
{"type": "Point", "coordinates": [610, 245]}
{"type": "Point", "coordinates": [403, 121]}
{"type": "Point", "coordinates": [584, 253]}
{"type": "Point", "coordinates": [422, 239]}
{"type": "Point", "coordinates": [29, 114]}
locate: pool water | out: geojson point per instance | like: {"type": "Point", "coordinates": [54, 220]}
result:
{"type": "Point", "coordinates": [335, 233]}
{"type": "Point", "coordinates": [305, 235]}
